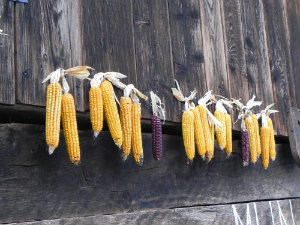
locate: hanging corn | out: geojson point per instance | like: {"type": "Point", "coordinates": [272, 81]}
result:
{"type": "Point", "coordinates": [110, 106]}
{"type": "Point", "coordinates": [187, 122]}
{"type": "Point", "coordinates": [136, 139]}
{"type": "Point", "coordinates": [256, 131]}
{"type": "Point", "coordinates": [69, 123]}
{"type": "Point", "coordinates": [96, 105]}
{"type": "Point", "coordinates": [158, 112]}
{"type": "Point", "coordinates": [53, 109]}
{"type": "Point", "coordinates": [221, 131]}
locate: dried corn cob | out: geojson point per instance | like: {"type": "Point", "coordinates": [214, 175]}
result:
{"type": "Point", "coordinates": [199, 136]}
{"type": "Point", "coordinates": [221, 131]}
{"type": "Point", "coordinates": [265, 142]}
{"type": "Point", "coordinates": [158, 109]}
{"type": "Point", "coordinates": [53, 114]}
{"type": "Point", "coordinates": [125, 113]}
{"type": "Point", "coordinates": [212, 136]}
{"type": "Point", "coordinates": [111, 112]}
{"type": "Point", "coordinates": [209, 145]}
{"type": "Point", "coordinates": [96, 109]}
{"type": "Point", "coordinates": [272, 140]}
{"type": "Point", "coordinates": [156, 137]}
{"type": "Point", "coordinates": [245, 147]}
{"type": "Point", "coordinates": [70, 128]}
{"type": "Point", "coordinates": [137, 146]}
{"type": "Point", "coordinates": [188, 134]}
{"type": "Point", "coordinates": [257, 137]}
{"type": "Point", "coordinates": [228, 148]}
{"type": "Point", "coordinates": [252, 147]}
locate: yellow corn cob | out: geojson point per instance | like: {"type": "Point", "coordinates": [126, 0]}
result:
{"type": "Point", "coordinates": [221, 131]}
{"type": "Point", "coordinates": [265, 145]}
{"type": "Point", "coordinates": [212, 136]}
{"type": "Point", "coordinates": [125, 113]}
{"type": "Point", "coordinates": [228, 148]}
{"type": "Point", "coordinates": [252, 139]}
{"type": "Point", "coordinates": [256, 131]}
{"type": "Point", "coordinates": [199, 136]}
{"type": "Point", "coordinates": [272, 140]}
{"type": "Point", "coordinates": [209, 145]}
{"type": "Point", "coordinates": [111, 112]}
{"type": "Point", "coordinates": [70, 127]}
{"type": "Point", "coordinates": [53, 114]}
{"type": "Point", "coordinates": [96, 109]}
{"type": "Point", "coordinates": [136, 139]}
{"type": "Point", "coordinates": [188, 134]}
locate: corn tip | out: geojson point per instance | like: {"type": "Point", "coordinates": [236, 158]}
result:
{"type": "Point", "coordinates": [124, 157]}
{"type": "Point", "coordinates": [228, 155]}
{"type": "Point", "coordinates": [96, 133]}
{"type": "Point", "coordinates": [51, 150]}
{"type": "Point", "coordinates": [140, 163]}
{"type": "Point", "coordinates": [245, 163]}
{"type": "Point", "coordinates": [203, 157]}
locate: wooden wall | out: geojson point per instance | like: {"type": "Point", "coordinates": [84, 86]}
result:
{"type": "Point", "coordinates": [235, 47]}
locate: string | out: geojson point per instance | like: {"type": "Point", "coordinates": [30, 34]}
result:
{"type": "Point", "coordinates": [255, 210]}
{"type": "Point", "coordinates": [237, 218]}
{"type": "Point", "coordinates": [291, 208]}
{"type": "Point", "coordinates": [248, 215]}
{"type": "Point", "coordinates": [270, 204]}
{"type": "Point", "coordinates": [281, 217]}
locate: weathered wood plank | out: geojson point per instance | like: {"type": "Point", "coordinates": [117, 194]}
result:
{"type": "Point", "coordinates": [213, 46]}
{"type": "Point", "coordinates": [217, 215]}
{"type": "Point", "coordinates": [293, 17]}
{"type": "Point", "coordinates": [36, 186]}
{"type": "Point", "coordinates": [294, 133]}
{"type": "Point", "coordinates": [277, 39]}
{"type": "Point", "coordinates": [256, 51]}
{"type": "Point", "coordinates": [107, 33]}
{"type": "Point", "coordinates": [7, 78]}
{"type": "Point", "coordinates": [47, 37]}
{"type": "Point", "coordinates": [234, 51]}
{"type": "Point", "coordinates": [153, 53]}
{"type": "Point", "coordinates": [187, 46]}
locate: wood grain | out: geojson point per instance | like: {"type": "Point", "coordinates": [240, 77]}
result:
{"type": "Point", "coordinates": [293, 17]}
{"type": "Point", "coordinates": [256, 51]}
{"type": "Point", "coordinates": [187, 46]}
{"type": "Point", "coordinates": [294, 133]}
{"type": "Point", "coordinates": [234, 52]}
{"type": "Point", "coordinates": [153, 54]}
{"type": "Point", "coordinates": [7, 78]}
{"type": "Point", "coordinates": [107, 35]}
{"type": "Point", "coordinates": [277, 39]}
{"type": "Point", "coordinates": [234, 49]}
{"type": "Point", "coordinates": [47, 37]}
{"type": "Point", "coordinates": [213, 46]}
{"type": "Point", "coordinates": [36, 186]}
{"type": "Point", "coordinates": [217, 215]}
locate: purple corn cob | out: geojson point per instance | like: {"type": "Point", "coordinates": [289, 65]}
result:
{"type": "Point", "coordinates": [156, 137]}
{"type": "Point", "coordinates": [245, 147]}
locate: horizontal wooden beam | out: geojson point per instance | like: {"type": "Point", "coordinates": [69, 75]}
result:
{"type": "Point", "coordinates": [36, 186]}
{"type": "Point", "coordinates": [288, 210]}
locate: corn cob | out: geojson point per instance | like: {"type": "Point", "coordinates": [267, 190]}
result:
{"type": "Point", "coordinates": [221, 131]}
{"type": "Point", "coordinates": [228, 148]}
{"type": "Point", "coordinates": [256, 131]}
{"type": "Point", "coordinates": [125, 113]}
{"type": "Point", "coordinates": [272, 140]}
{"type": "Point", "coordinates": [252, 147]}
{"type": "Point", "coordinates": [156, 137]}
{"type": "Point", "coordinates": [209, 145]}
{"type": "Point", "coordinates": [53, 114]}
{"type": "Point", "coordinates": [212, 136]}
{"type": "Point", "coordinates": [70, 128]}
{"type": "Point", "coordinates": [136, 139]}
{"type": "Point", "coordinates": [265, 145]}
{"type": "Point", "coordinates": [111, 112]}
{"type": "Point", "coordinates": [199, 136]}
{"type": "Point", "coordinates": [245, 147]}
{"type": "Point", "coordinates": [96, 109]}
{"type": "Point", "coordinates": [188, 134]}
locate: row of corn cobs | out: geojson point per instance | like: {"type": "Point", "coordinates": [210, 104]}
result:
{"type": "Point", "coordinates": [125, 130]}
{"type": "Point", "coordinates": [199, 128]}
